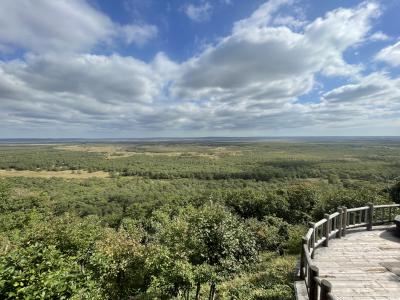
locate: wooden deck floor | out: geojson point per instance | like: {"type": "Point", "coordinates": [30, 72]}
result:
{"type": "Point", "coordinates": [364, 265]}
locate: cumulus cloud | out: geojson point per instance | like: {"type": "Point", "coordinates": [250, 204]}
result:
{"type": "Point", "coordinates": [379, 36]}
{"type": "Point", "coordinates": [337, 32]}
{"type": "Point", "coordinates": [105, 92]}
{"type": "Point", "coordinates": [106, 78]}
{"type": "Point", "coordinates": [57, 25]}
{"type": "Point", "coordinates": [373, 99]}
{"type": "Point", "coordinates": [375, 89]}
{"type": "Point", "coordinates": [62, 26]}
{"type": "Point", "coordinates": [254, 77]}
{"type": "Point", "coordinates": [198, 13]}
{"type": "Point", "coordinates": [258, 62]}
{"type": "Point", "coordinates": [390, 55]}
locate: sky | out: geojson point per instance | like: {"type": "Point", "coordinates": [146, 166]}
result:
{"type": "Point", "coordinates": [193, 68]}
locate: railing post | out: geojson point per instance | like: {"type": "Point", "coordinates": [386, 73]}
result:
{"type": "Point", "coordinates": [344, 221]}
{"type": "Point", "coordinates": [326, 288]}
{"type": "Point", "coordinates": [312, 225]}
{"type": "Point", "coordinates": [340, 221]}
{"type": "Point", "coordinates": [370, 216]}
{"type": "Point", "coordinates": [302, 258]}
{"type": "Point", "coordinates": [327, 230]}
{"type": "Point", "coordinates": [314, 272]}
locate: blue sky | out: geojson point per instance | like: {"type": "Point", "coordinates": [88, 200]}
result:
{"type": "Point", "coordinates": [135, 68]}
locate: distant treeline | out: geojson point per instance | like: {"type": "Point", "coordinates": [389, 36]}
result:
{"type": "Point", "coordinates": [252, 161]}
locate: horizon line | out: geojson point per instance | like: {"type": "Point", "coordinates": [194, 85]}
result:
{"type": "Point", "coordinates": [201, 137]}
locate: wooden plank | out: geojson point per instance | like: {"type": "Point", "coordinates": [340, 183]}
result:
{"type": "Point", "coordinates": [355, 264]}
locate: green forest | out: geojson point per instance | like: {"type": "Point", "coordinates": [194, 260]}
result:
{"type": "Point", "coordinates": [180, 219]}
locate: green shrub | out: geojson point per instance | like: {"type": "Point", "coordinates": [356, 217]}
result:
{"type": "Point", "coordinates": [39, 271]}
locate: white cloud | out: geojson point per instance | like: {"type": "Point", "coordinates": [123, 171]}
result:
{"type": "Point", "coordinates": [261, 17]}
{"type": "Point", "coordinates": [253, 78]}
{"type": "Point", "coordinates": [289, 21]}
{"type": "Point", "coordinates": [61, 26]}
{"type": "Point", "coordinates": [378, 36]}
{"type": "Point", "coordinates": [374, 89]}
{"type": "Point", "coordinates": [88, 91]}
{"type": "Point", "coordinates": [57, 25]}
{"type": "Point", "coordinates": [263, 63]}
{"type": "Point", "coordinates": [372, 101]}
{"type": "Point", "coordinates": [165, 67]}
{"type": "Point", "coordinates": [338, 31]}
{"type": "Point", "coordinates": [138, 34]}
{"type": "Point", "coordinates": [390, 54]}
{"type": "Point", "coordinates": [198, 13]}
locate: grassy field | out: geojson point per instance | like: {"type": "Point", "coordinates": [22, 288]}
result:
{"type": "Point", "coordinates": [115, 151]}
{"type": "Point", "coordinates": [49, 174]}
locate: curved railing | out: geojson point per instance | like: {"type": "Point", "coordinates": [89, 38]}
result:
{"type": "Point", "coordinates": [335, 226]}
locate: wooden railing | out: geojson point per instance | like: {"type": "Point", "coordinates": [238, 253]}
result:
{"type": "Point", "coordinates": [335, 226]}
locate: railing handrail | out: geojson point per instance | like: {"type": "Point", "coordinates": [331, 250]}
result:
{"type": "Point", "coordinates": [358, 208]}
{"type": "Point", "coordinates": [335, 225]}
{"type": "Point", "coordinates": [320, 222]}
{"type": "Point", "coordinates": [387, 205]}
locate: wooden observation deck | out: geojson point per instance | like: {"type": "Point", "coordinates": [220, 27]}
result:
{"type": "Point", "coordinates": [352, 254]}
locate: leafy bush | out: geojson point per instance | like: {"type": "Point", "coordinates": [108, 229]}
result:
{"type": "Point", "coordinates": [39, 271]}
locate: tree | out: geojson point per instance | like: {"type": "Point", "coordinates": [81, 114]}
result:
{"type": "Point", "coordinates": [118, 264]}
{"type": "Point", "coordinates": [302, 198]}
{"type": "Point", "coordinates": [211, 239]}
{"type": "Point", "coordinates": [249, 203]}
{"type": "Point", "coordinates": [395, 192]}
{"type": "Point", "coordinates": [271, 233]}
